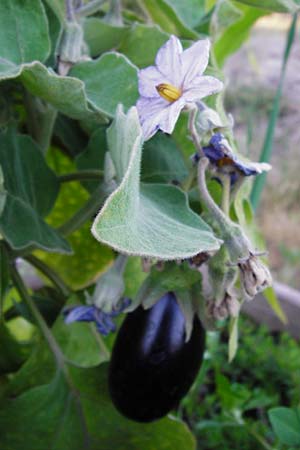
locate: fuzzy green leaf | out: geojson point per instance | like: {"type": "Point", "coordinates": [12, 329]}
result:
{"type": "Point", "coordinates": [101, 36]}
{"type": "Point", "coordinates": [24, 33]}
{"type": "Point", "coordinates": [147, 220]}
{"type": "Point", "coordinates": [139, 37]}
{"type": "Point", "coordinates": [173, 16]}
{"type": "Point", "coordinates": [109, 80]}
{"type": "Point", "coordinates": [71, 416]}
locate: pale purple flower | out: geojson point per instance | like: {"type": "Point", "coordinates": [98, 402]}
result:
{"type": "Point", "coordinates": [175, 81]}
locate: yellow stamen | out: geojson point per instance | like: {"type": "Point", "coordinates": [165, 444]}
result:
{"type": "Point", "coordinates": [168, 92]}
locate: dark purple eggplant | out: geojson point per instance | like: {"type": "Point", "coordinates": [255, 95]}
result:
{"type": "Point", "coordinates": [152, 367]}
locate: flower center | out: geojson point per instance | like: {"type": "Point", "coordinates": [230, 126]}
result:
{"type": "Point", "coordinates": [168, 92]}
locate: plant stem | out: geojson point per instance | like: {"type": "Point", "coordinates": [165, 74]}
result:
{"type": "Point", "coordinates": [114, 15]}
{"type": "Point", "coordinates": [260, 439]}
{"type": "Point", "coordinates": [49, 273]}
{"type": "Point", "coordinates": [90, 208]}
{"type": "Point", "coordinates": [70, 14]}
{"type": "Point", "coordinates": [187, 184]}
{"type": "Point", "coordinates": [90, 8]}
{"type": "Point", "coordinates": [226, 185]}
{"type": "Point", "coordinates": [206, 197]}
{"type": "Point", "coordinates": [20, 286]}
{"type": "Point", "coordinates": [81, 175]}
{"type": "Point", "coordinates": [193, 131]}
{"type": "Point", "coordinates": [99, 340]}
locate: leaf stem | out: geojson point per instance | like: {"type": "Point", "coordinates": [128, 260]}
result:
{"type": "Point", "coordinates": [89, 8]}
{"type": "Point", "coordinates": [48, 336]}
{"type": "Point", "coordinates": [81, 175]}
{"type": "Point", "coordinates": [90, 208]}
{"type": "Point", "coordinates": [49, 273]}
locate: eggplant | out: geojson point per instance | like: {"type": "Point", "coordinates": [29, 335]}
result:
{"type": "Point", "coordinates": [152, 367]}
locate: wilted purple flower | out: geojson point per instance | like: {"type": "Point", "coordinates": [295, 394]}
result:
{"type": "Point", "coordinates": [176, 80]}
{"type": "Point", "coordinates": [222, 157]}
{"type": "Point", "coordinates": [90, 313]}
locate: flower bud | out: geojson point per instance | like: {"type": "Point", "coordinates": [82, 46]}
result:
{"type": "Point", "coordinates": [255, 275]}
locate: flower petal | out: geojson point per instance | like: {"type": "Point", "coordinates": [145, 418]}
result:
{"type": "Point", "coordinates": [195, 60]}
{"type": "Point", "coordinates": [203, 87]}
{"type": "Point", "coordinates": [158, 114]}
{"type": "Point", "coordinates": [148, 79]}
{"type": "Point", "coordinates": [168, 61]}
{"type": "Point", "coordinates": [79, 314]}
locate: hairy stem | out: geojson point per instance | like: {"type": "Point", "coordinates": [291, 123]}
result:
{"type": "Point", "coordinates": [89, 8]}
{"type": "Point", "coordinates": [206, 197]}
{"type": "Point", "coordinates": [81, 175]}
{"type": "Point", "coordinates": [49, 273]}
{"type": "Point", "coordinates": [226, 185]}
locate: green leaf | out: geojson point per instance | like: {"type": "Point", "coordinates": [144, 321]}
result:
{"type": "Point", "coordinates": [139, 37]}
{"type": "Point", "coordinates": [32, 189]}
{"type": "Point", "coordinates": [236, 34]}
{"type": "Point", "coordinates": [12, 353]}
{"type": "Point", "coordinates": [273, 5]}
{"type": "Point", "coordinates": [58, 7]}
{"type": "Point", "coordinates": [109, 80]}
{"type": "Point", "coordinates": [286, 424]}
{"type": "Point", "coordinates": [24, 33]}
{"type": "Point", "coordinates": [101, 36]}
{"type": "Point", "coordinates": [71, 416]}
{"type": "Point", "coordinates": [68, 94]}
{"type": "Point", "coordinates": [65, 93]}
{"type": "Point", "coordinates": [225, 14]}
{"type": "Point", "coordinates": [171, 15]}
{"type": "Point", "coordinates": [172, 278]}
{"type": "Point", "coordinates": [162, 160]}
{"type": "Point", "coordinates": [273, 301]}
{"type": "Point", "coordinates": [233, 338]}
{"type": "Point", "coordinates": [147, 220]}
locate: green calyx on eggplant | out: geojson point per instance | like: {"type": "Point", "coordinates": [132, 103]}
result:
{"type": "Point", "coordinates": [152, 367]}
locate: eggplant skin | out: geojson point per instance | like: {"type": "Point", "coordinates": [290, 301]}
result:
{"type": "Point", "coordinates": [152, 367]}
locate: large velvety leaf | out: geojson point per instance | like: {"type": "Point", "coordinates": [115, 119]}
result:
{"type": "Point", "coordinates": [93, 88]}
{"type": "Point", "coordinates": [138, 38]}
{"type": "Point", "coordinates": [273, 5]}
{"type": "Point", "coordinates": [31, 191]}
{"type": "Point", "coordinates": [151, 220]}
{"type": "Point", "coordinates": [172, 16]}
{"type": "Point", "coordinates": [23, 31]}
{"type": "Point", "coordinates": [286, 424]}
{"type": "Point", "coordinates": [109, 80]}
{"type": "Point", "coordinates": [101, 36]}
{"type": "Point", "coordinates": [72, 416]}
